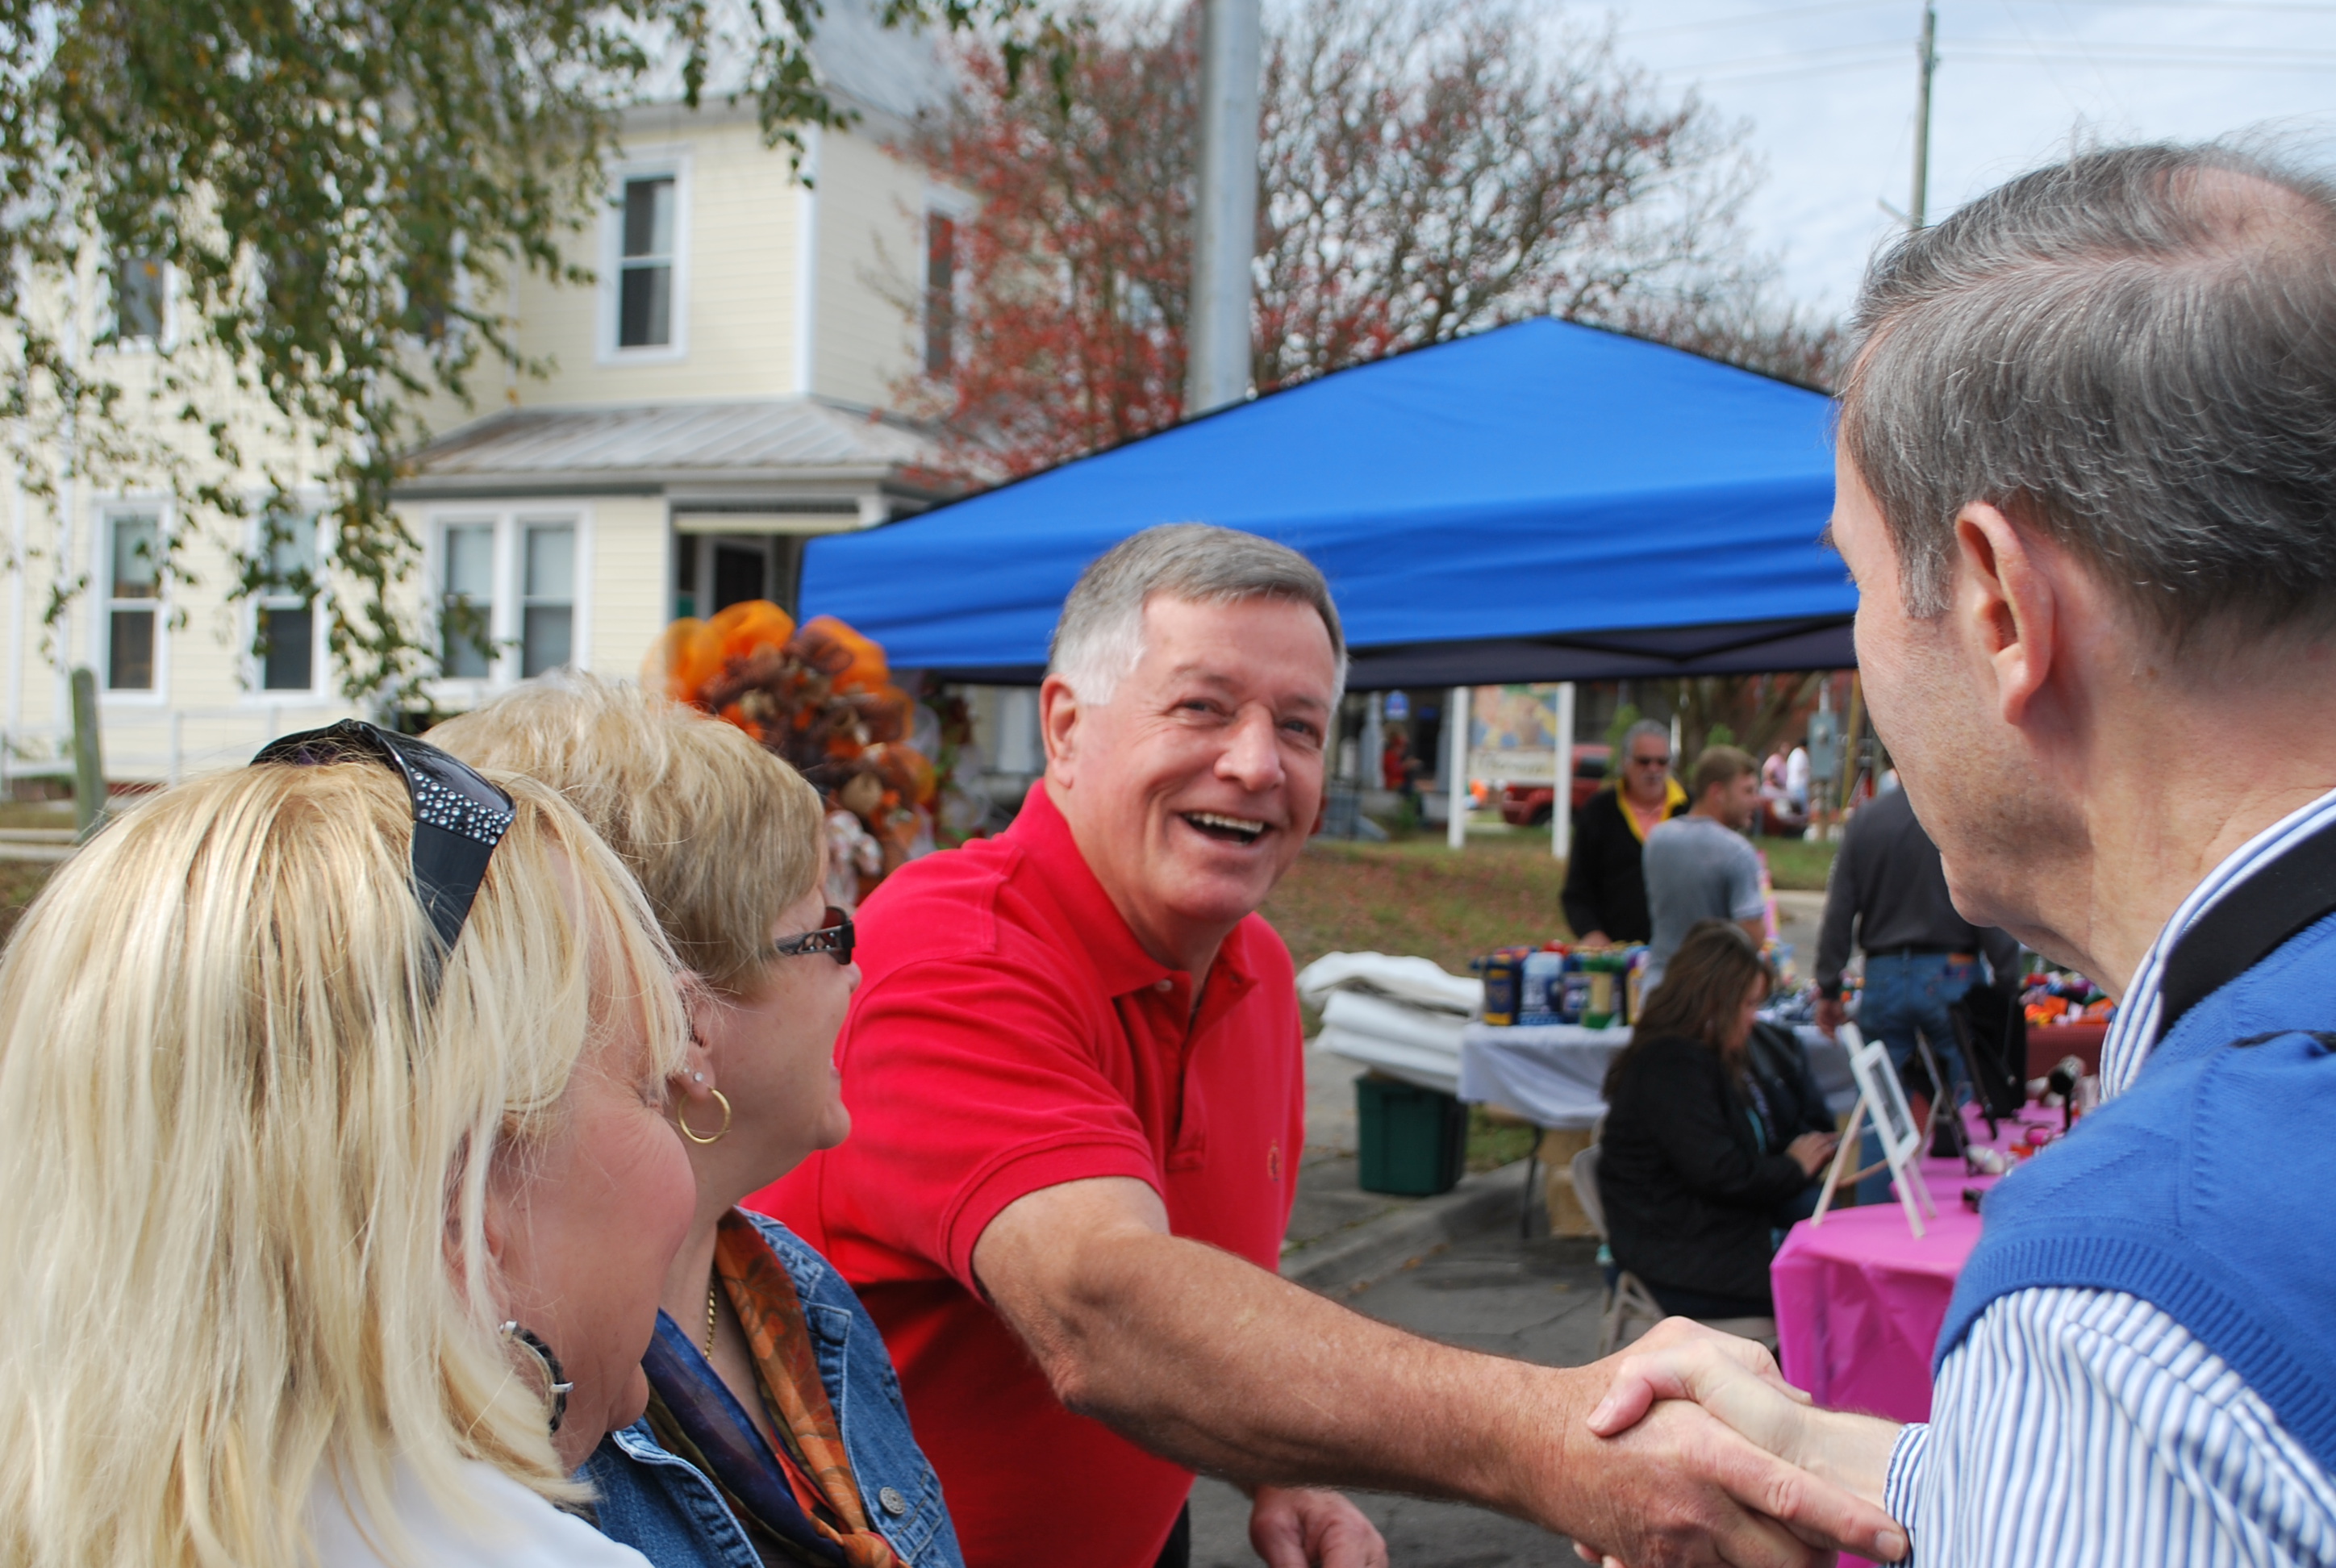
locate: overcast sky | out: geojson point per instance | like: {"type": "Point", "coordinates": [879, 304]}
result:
{"type": "Point", "coordinates": [1828, 87]}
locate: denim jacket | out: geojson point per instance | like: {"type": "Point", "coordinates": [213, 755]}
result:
{"type": "Point", "coordinates": [671, 1513]}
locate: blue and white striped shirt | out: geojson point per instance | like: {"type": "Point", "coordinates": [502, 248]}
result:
{"type": "Point", "coordinates": [2086, 1426]}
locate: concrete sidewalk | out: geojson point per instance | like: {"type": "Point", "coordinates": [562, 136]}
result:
{"type": "Point", "coordinates": [1452, 1268]}
{"type": "Point", "coordinates": [1536, 1301]}
{"type": "Point", "coordinates": [1342, 1237]}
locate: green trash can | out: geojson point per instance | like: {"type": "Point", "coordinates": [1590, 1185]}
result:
{"type": "Point", "coordinates": [1414, 1141]}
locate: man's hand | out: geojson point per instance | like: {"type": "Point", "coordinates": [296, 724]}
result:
{"type": "Point", "coordinates": [1299, 1527]}
{"type": "Point", "coordinates": [1852, 1452]}
{"type": "Point", "coordinates": [1593, 940]}
{"type": "Point", "coordinates": [1831, 1014]}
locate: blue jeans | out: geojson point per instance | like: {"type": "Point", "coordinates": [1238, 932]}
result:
{"type": "Point", "coordinates": [1903, 994]}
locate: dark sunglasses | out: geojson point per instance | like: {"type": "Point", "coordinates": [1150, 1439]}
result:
{"type": "Point", "coordinates": [458, 816]}
{"type": "Point", "coordinates": [834, 938]}
{"type": "Point", "coordinates": [1650, 761]}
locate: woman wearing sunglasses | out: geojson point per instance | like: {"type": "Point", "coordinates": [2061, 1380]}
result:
{"type": "Point", "coordinates": [329, 1206]}
{"type": "Point", "coordinates": [775, 1431]}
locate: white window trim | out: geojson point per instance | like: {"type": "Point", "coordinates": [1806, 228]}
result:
{"type": "Point", "coordinates": [648, 163]}
{"type": "Point", "coordinates": [504, 618]}
{"type": "Point", "coordinates": [957, 207]}
{"type": "Point", "coordinates": [251, 667]}
{"type": "Point", "coordinates": [106, 508]}
{"type": "Point", "coordinates": [108, 311]}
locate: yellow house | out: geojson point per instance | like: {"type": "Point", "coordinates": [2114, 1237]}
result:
{"type": "Point", "coordinates": [716, 399]}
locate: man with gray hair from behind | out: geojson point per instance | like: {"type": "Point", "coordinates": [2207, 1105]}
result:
{"type": "Point", "coordinates": [1076, 1081]}
{"type": "Point", "coordinates": [2087, 491]}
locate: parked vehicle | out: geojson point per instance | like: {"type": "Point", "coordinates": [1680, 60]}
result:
{"type": "Point", "coordinates": [1527, 806]}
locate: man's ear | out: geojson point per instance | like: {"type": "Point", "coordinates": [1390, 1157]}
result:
{"type": "Point", "coordinates": [1059, 723]}
{"type": "Point", "coordinates": [2006, 605]}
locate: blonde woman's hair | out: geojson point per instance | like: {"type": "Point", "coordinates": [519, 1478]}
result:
{"type": "Point", "coordinates": [245, 1150]}
{"type": "Point", "coordinates": [722, 834]}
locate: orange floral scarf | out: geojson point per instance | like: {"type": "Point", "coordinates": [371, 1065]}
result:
{"type": "Point", "coordinates": [763, 1294]}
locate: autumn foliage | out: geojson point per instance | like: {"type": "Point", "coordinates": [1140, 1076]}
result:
{"type": "Point", "coordinates": [1427, 170]}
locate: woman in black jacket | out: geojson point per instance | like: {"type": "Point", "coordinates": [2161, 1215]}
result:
{"type": "Point", "coordinates": [1697, 1156]}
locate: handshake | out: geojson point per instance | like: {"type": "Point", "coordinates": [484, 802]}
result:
{"type": "Point", "coordinates": [1658, 1474]}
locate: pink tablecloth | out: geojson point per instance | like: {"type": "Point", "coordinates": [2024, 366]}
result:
{"type": "Point", "coordinates": [1859, 1301]}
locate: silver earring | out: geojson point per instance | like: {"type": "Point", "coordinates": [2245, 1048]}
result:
{"type": "Point", "coordinates": [556, 1387]}
{"type": "Point", "coordinates": [697, 1078]}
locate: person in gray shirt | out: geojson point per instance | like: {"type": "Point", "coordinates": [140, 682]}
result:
{"type": "Point", "coordinates": [1700, 866]}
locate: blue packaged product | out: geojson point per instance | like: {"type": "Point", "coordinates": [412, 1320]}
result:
{"type": "Point", "coordinates": [1539, 982]}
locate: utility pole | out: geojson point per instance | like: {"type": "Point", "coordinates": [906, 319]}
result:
{"type": "Point", "coordinates": [1927, 54]}
{"type": "Point", "coordinates": [1224, 211]}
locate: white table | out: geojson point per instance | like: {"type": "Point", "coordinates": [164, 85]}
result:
{"type": "Point", "coordinates": [1554, 1075]}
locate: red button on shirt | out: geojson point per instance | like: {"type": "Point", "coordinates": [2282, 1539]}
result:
{"type": "Point", "coordinates": [1010, 1035]}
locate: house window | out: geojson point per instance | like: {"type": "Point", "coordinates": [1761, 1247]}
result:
{"type": "Point", "coordinates": [132, 600]}
{"type": "Point", "coordinates": [287, 607]}
{"type": "Point", "coordinates": [941, 293]}
{"type": "Point", "coordinates": [466, 604]}
{"type": "Point", "coordinates": [645, 264]}
{"type": "Point", "coordinates": [508, 601]}
{"type": "Point", "coordinates": [140, 299]}
{"type": "Point", "coordinates": [548, 601]}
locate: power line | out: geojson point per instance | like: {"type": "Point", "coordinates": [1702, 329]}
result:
{"type": "Point", "coordinates": [1833, 7]}
{"type": "Point", "coordinates": [2111, 53]}
{"type": "Point", "coordinates": [2320, 64]}
{"type": "Point", "coordinates": [1750, 18]}
{"type": "Point", "coordinates": [1794, 62]}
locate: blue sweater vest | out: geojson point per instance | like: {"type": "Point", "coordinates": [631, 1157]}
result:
{"type": "Point", "coordinates": [2207, 1190]}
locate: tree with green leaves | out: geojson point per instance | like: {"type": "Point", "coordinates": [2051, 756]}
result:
{"type": "Point", "coordinates": [338, 194]}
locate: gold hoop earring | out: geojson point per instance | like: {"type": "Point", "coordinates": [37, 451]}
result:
{"type": "Point", "coordinates": [681, 1118]}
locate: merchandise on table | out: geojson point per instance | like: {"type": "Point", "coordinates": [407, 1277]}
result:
{"type": "Point", "coordinates": [2054, 997]}
{"type": "Point", "coordinates": [1559, 983]}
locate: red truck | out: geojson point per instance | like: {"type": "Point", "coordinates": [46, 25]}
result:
{"type": "Point", "coordinates": [1527, 806]}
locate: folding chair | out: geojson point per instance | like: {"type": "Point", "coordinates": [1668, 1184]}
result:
{"type": "Point", "coordinates": [1631, 1309]}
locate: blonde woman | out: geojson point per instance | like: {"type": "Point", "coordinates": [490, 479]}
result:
{"type": "Point", "coordinates": [339, 1182]}
{"type": "Point", "coordinates": [776, 1431]}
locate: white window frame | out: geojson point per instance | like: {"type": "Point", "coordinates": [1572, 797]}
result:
{"type": "Point", "coordinates": [101, 634]}
{"type": "Point", "coordinates": [110, 309]}
{"type": "Point", "coordinates": [941, 201]}
{"type": "Point", "coordinates": [505, 605]}
{"type": "Point", "coordinates": [256, 691]}
{"type": "Point", "coordinates": [654, 163]}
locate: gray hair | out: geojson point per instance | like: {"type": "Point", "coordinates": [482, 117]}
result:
{"type": "Point", "coordinates": [1644, 728]}
{"type": "Point", "coordinates": [1099, 640]}
{"type": "Point", "coordinates": [2133, 352]}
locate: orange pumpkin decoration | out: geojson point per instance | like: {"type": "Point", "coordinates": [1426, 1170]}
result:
{"type": "Point", "coordinates": [852, 661]}
{"type": "Point", "coordinates": [663, 668]}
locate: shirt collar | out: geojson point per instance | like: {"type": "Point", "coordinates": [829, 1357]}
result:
{"type": "Point", "coordinates": [1092, 921]}
{"type": "Point", "coordinates": [2127, 1044]}
{"type": "Point", "coordinates": [1674, 797]}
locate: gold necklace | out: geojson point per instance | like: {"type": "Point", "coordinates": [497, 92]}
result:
{"type": "Point", "coordinates": [712, 1286]}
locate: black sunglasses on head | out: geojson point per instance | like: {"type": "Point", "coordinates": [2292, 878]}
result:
{"type": "Point", "coordinates": [834, 938]}
{"type": "Point", "coordinates": [459, 817]}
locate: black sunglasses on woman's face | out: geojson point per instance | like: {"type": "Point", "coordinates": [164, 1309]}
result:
{"type": "Point", "coordinates": [834, 938]}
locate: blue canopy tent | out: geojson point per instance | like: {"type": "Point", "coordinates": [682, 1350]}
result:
{"type": "Point", "coordinates": [1543, 501]}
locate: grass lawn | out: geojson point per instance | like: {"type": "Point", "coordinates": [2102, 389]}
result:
{"type": "Point", "coordinates": [19, 881]}
{"type": "Point", "coordinates": [1416, 896]}
{"type": "Point", "coordinates": [1796, 864]}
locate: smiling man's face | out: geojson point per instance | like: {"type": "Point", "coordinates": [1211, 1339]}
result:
{"type": "Point", "coordinates": [1195, 787]}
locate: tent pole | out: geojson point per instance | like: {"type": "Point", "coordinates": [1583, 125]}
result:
{"type": "Point", "coordinates": [1455, 768]}
{"type": "Point", "coordinates": [1561, 799]}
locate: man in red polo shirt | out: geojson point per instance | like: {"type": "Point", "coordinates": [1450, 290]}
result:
{"type": "Point", "coordinates": [1075, 1073]}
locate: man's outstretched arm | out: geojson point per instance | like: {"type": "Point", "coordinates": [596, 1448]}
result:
{"type": "Point", "coordinates": [1211, 1361]}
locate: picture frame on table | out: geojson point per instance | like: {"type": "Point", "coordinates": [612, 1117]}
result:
{"type": "Point", "coordinates": [1881, 1098]}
